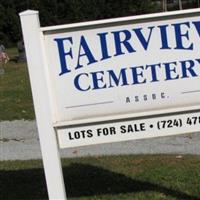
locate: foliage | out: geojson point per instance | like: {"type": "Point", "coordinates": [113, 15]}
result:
{"type": "Point", "coordinates": [68, 11]}
{"type": "Point", "coordinates": [64, 11]}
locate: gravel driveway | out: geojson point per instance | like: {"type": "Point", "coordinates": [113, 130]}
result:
{"type": "Point", "coordinates": [19, 140]}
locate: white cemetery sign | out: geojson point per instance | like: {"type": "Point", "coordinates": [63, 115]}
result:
{"type": "Point", "coordinates": [112, 80]}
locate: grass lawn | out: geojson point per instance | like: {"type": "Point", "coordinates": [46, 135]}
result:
{"type": "Point", "coordinates": [15, 93]}
{"type": "Point", "coordinates": [108, 178]}
{"type": "Point", "coordinates": [139, 177]}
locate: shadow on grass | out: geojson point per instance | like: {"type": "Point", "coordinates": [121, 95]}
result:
{"type": "Point", "coordinates": [81, 180]}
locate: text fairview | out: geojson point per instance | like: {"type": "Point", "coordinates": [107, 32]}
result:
{"type": "Point", "coordinates": [123, 43]}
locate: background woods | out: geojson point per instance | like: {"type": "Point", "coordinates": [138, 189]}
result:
{"type": "Point", "coordinates": [68, 11]}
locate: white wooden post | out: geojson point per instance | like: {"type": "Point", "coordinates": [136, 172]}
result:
{"type": "Point", "coordinates": [33, 39]}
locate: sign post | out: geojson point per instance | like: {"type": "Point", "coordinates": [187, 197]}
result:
{"type": "Point", "coordinates": [48, 142]}
{"type": "Point", "coordinates": [112, 80]}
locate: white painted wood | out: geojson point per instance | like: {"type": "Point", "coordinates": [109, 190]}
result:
{"type": "Point", "coordinates": [126, 116]}
{"type": "Point", "coordinates": [33, 39]}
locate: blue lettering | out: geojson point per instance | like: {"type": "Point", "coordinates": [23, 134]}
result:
{"type": "Point", "coordinates": [189, 68]}
{"type": "Point", "coordinates": [169, 69]}
{"type": "Point", "coordinates": [87, 53]}
{"type": "Point", "coordinates": [113, 77]}
{"type": "Point", "coordinates": [179, 36]}
{"type": "Point", "coordinates": [104, 48]}
{"type": "Point", "coordinates": [197, 26]}
{"type": "Point", "coordinates": [119, 41]}
{"type": "Point", "coordinates": [63, 54]}
{"type": "Point", "coordinates": [164, 38]}
{"type": "Point", "coordinates": [136, 74]}
{"type": "Point", "coordinates": [77, 82]}
{"type": "Point", "coordinates": [142, 39]}
{"type": "Point", "coordinates": [153, 71]}
{"type": "Point", "coordinates": [97, 80]}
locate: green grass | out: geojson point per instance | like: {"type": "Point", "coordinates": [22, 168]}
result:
{"type": "Point", "coordinates": [15, 93]}
{"type": "Point", "coordinates": [97, 178]}
{"type": "Point", "coordinates": [108, 178]}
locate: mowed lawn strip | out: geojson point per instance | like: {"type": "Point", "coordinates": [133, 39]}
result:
{"type": "Point", "coordinates": [160, 177]}
{"type": "Point", "coordinates": [15, 93]}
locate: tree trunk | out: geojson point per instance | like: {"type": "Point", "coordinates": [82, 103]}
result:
{"type": "Point", "coordinates": [180, 5]}
{"type": "Point", "coordinates": [164, 2]}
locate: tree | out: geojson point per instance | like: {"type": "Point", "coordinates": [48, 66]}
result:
{"type": "Point", "coordinates": [54, 12]}
{"type": "Point", "coordinates": [164, 5]}
{"type": "Point", "coordinates": [180, 5]}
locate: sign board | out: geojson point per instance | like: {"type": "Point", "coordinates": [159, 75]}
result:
{"type": "Point", "coordinates": [127, 67]}
{"type": "Point", "coordinates": [124, 67]}
{"type": "Point", "coordinates": [129, 130]}
{"type": "Point", "coordinates": [113, 80]}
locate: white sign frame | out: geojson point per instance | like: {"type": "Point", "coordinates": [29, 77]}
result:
{"type": "Point", "coordinates": [47, 125]}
